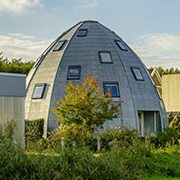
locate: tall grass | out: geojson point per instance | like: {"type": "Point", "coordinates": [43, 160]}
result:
{"type": "Point", "coordinates": [133, 159]}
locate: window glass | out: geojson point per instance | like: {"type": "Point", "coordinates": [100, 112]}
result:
{"type": "Point", "coordinates": [82, 33]}
{"type": "Point", "coordinates": [137, 74]}
{"type": "Point", "coordinates": [113, 88]}
{"type": "Point", "coordinates": [121, 45]}
{"type": "Point", "coordinates": [74, 72]}
{"type": "Point", "coordinates": [38, 91]}
{"type": "Point", "coordinates": [105, 57]}
{"type": "Point", "coordinates": [59, 45]}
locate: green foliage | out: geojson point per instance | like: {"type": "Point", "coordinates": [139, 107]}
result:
{"type": "Point", "coordinates": [118, 137]}
{"type": "Point", "coordinates": [168, 71]}
{"type": "Point", "coordinates": [170, 136]}
{"type": "Point", "coordinates": [71, 134]}
{"type": "Point", "coordinates": [134, 161]}
{"type": "Point", "coordinates": [83, 109]}
{"type": "Point", "coordinates": [34, 130]}
{"type": "Point", "coordinates": [15, 65]}
{"type": "Point", "coordinates": [14, 162]}
{"type": "Point", "coordinates": [166, 163]}
{"type": "Point", "coordinates": [85, 105]}
{"type": "Point", "coordinates": [175, 123]}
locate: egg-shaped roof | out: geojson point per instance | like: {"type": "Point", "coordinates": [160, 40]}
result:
{"type": "Point", "coordinates": [89, 48]}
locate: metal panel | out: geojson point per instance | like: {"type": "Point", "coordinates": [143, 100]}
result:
{"type": "Point", "coordinates": [12, 109]}
{"type": "Point", "coordinates": [135, 95]}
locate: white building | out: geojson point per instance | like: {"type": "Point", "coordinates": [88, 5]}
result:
{"type": "Point", "coordinates": [12, 99]}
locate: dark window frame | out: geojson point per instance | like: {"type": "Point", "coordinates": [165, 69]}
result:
{"type": "Point", "coordinates": [112, 83]}
{"type": "Point", "coordinates": [43, 91]}
{"type": "Point", "coordinates": [123, 49]}
{"type": "Point", "coordinates": [61, 47]}
{"type": "Point", "coordinates": [137, 68]}
{"type": "Point", "coordinates": [74, 67]}
{"type": "Point", "coordinates": [83, 29]}
{"type": "Point", "coordinates": [101, 60]}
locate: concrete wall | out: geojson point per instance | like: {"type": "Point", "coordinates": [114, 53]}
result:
{"type": "Point", "coordinates": [171, 92]}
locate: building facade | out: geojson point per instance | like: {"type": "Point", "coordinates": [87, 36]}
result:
{"type": "Point", "coordinates": [89, 48]}
{"type": "Point", "coordinates": [171, 92]}
{"type": "Point", "coordinates": [12, 102]}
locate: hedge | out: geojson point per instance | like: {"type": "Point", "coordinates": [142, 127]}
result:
{"type": "Point", "coordinates": [34, 129]}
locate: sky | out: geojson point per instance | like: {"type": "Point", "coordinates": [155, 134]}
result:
{"type": "Point", "coordinates": [150, 27]}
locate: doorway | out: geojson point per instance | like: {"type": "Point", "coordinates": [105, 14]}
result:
{"type": "Point", "coordinates": [149, 122]}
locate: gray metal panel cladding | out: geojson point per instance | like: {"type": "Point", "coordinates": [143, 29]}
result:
{"type": "Point", "coordinates": [84, 51]}
{"type": "Point", "coordinates": [12, 85]}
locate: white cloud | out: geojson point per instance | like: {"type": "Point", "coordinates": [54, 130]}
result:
{"type": "Point", "coordinates": [22, 46]}
{"type": "Point", "coordinates": [17, 6]}
{"type": "Point", "coordinates": [89, 4]}
{"type": "Point", "coordinates": [158, 49]}
{"type": "Point", "coordinates": [154, 49]}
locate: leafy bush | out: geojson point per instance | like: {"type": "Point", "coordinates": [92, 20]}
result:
{"type": "Point", "coordinates": [72, 135]}
{"type": "Point", "coordinates": [13, 161]}
{"type": "Point", "coordinates": [170, 136]}
{"type": "Point", "coordinates": [118, 137]}
{"type": "Point", "coordinates": [166, 163]}
{"type": "Point", "coordinates": [34, 130]}
{"type": "Point", "coordinates": [122, 161]}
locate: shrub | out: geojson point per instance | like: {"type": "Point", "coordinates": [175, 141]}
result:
{"type": "Point", "coordinates": [72, 133]}
{"type": "Point", "coordinates": [170, 136]}
{"type": "Point", "coordinates": [34, 130]}
{"type": "Point", "coordinates": [13, 161]}
{"type": "Point", "coordinates": [118, 136]}
{"type": "Point", "coordinates": [128, 161]}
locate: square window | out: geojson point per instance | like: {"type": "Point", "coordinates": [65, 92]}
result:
{"type": "Point", "coordinates": [105, 57]}
{"type": "Point", "coordinates": [137, 73]}
{"type": "Point", "coordinates": [74, 72]}
{"type": "Point", "coordinates": [82, 33]}
{"type": "Point", "coordinates": [38, 91]}
{"type": "Point", "coordinates": [112, 87]}
{"type": "Point", "coordinates": [59, 46]}
{"type": "Point", "coordinates": [121, 45]}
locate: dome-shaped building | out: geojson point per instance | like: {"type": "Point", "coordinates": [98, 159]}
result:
{"type": "Point", "coordinates": [89, 48]}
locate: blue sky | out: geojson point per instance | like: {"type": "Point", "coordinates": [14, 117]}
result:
{"type": "Point", "coordinates": [150, 27]}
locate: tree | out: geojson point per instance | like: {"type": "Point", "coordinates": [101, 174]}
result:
{"type": "Point", "coordinates": [15, 65]}
{"type": "Point", "coordinates": [84, 105]}
{"type": "Point", "coordinates": [170, 70]}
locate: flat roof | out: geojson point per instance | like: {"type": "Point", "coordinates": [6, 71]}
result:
{"type": "Point", "coordinates": [12, 74]}
{"type": "Point", "coordinates": [12, 85]}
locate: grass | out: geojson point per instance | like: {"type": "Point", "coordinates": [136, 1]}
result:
{"type": "Point", "coordinates": [162, 178]}
{"type": "Point", "coordinates": [127, 158]}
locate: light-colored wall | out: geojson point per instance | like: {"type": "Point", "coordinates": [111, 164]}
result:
{"type": "Point", "coordinates": [171, 92]}
{"type": "Point", "coordinates": [47, 73]}
{"type": "Point", "coordinates": [12, 109]}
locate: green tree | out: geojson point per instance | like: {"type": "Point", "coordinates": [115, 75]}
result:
{"type": "Point", "coordinates": [15, 65]}
{"type": "Point", "coordinates": [85, 105]}
{"type": "Point", "coordinates": [170, 70]}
